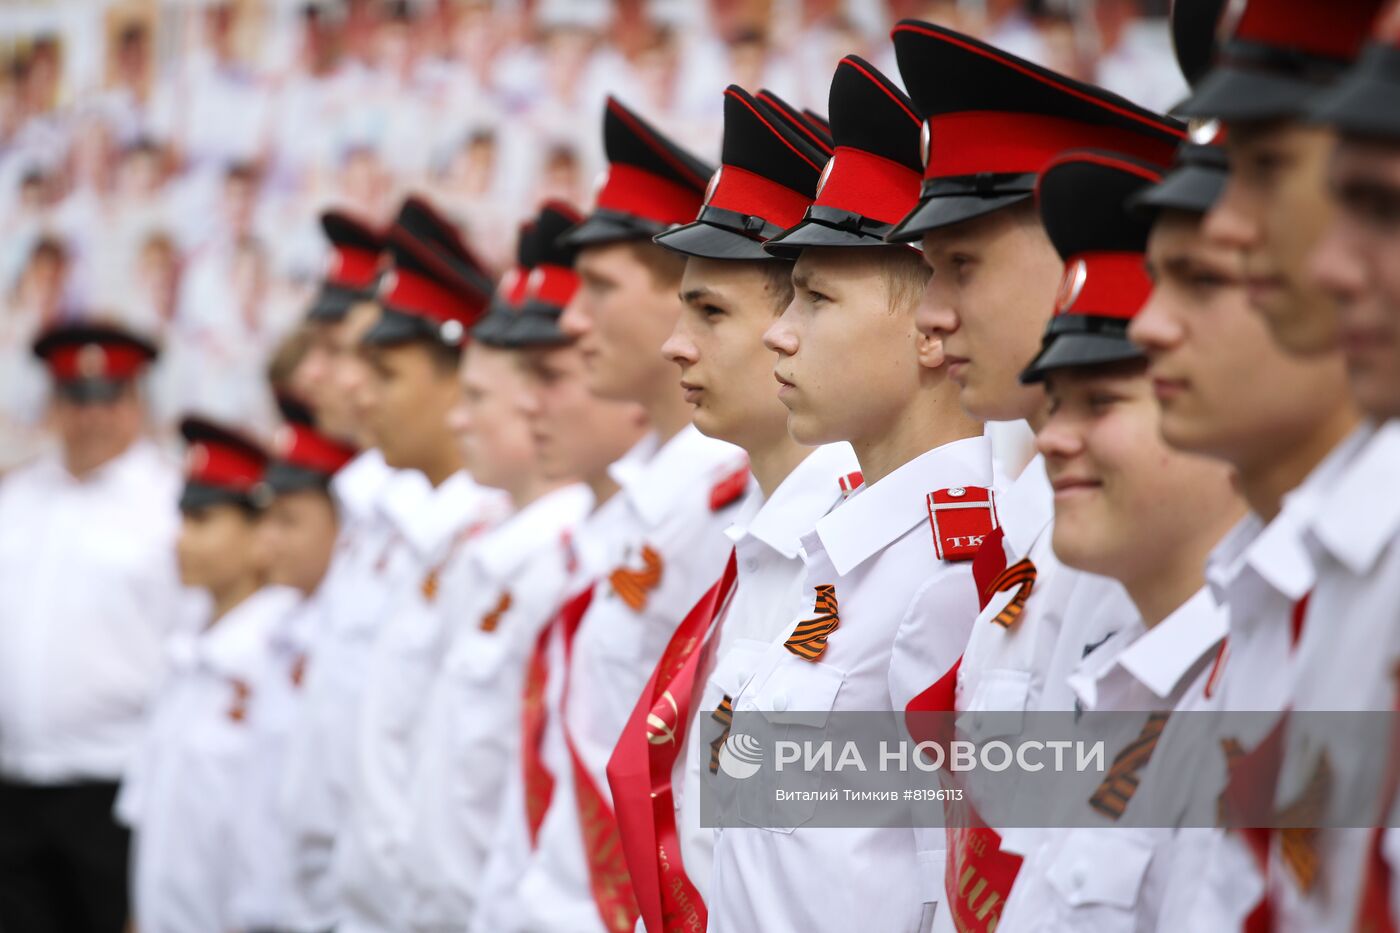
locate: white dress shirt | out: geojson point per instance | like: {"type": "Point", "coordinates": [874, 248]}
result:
{"type": "Point", "coordinates": [770, 579]}
{"type": "Point", "coordinates": [187, 789]}
{"type": "Point", "coordinates": [1097, 877]}
{"type": "Point", "coordinates": [526, 887]}
{"type": "Point", "coordinates": [509, 589]}
{"type": "Point", "coordinates": [268, 898]}
{"type": "Point", "coordinates": [406, 654]}
{"type": "Point", "coordinates": [89, 592]}
{"type": "Point", "coordinates": [370, 556]}
{"type": "Point", "coordinates": [876, 549]}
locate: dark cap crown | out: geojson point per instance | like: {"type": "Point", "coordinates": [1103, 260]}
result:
{"type": "Point", "coordinates": [993, 121]}
{"type": "Point", "coordinates": [1083, 199]}
{"type": "Point", "coordinates": [872, 177]}
{"type": "Point", "coordinates": [651, 183]}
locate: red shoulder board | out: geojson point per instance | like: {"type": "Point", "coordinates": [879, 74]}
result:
{"type": "Point", "coordinates": [961, 517]}
{"type": "Point", "coordinates": [729, 490]}
{"type": "Point", "coordinates": [850, 483]}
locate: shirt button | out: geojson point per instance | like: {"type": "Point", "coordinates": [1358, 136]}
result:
{"type": "Point", "coordinates": [780, 701]}
{"type": "Point", "coordinates": [751, 564]}
{"type": "Point", "coordinates": [1079, 877]}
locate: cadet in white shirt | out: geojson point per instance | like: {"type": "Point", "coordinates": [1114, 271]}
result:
{"type": "Point", "coordinates": [995, 275]}
{"type": "Point", "coordinates": [352, 598]}
{"type": "Point", "coordinates": [852, 366]}
{"type": "Point", "coordinates": [1226, 390]}
{"type": "Point", "coordinates": [298, 533]}
{"type": "Point", "coordinates": [435, 291]}
{"type": "Point", "coordinates": [504, 594]}
{"type": "Point", "coordinates": [732, 290]}
{"type": "Point", "coordinates": [1118, 513]}
{"type": "Point", "coordinates": [673, 541]}
{"type": "Point", "coordinates": [88, 595]}
{"type": "Point", "coordinates": [188, 790]}
{"type": "Point", "coordinates": [524, 887]}
{"type": "Point", "coordinates": [1353, 539]}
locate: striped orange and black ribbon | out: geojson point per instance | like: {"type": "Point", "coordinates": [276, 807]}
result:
{"type": "Point", "coordinates": [808, 640]}
{"type": "Point", "coordinates": [1298, 840]}
{"type": "Point", "coordinates": [492, 619]}
{"type": "Point", "coordinates": [632, 586]}
{"type": "Point", "coordinates": [1112, 796]}
{"type": "Point", "coordinates": [724, 715]}
{"type": "Point", "coordinates": [1021, 577]}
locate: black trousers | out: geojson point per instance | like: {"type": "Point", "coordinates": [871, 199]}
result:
{"type": "Point", "coordinates": [63, 859]}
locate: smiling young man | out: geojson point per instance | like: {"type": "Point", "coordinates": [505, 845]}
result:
{"type": "Point", "coordinates": [852, 367]}
{"type": "Point", "coordinates": [669, 545]}
{"type": "Point", "coordinates": [503, 594]}
{"type": "Point", "coordinates": [429, 300]}
{"type": "Point", "coordinates": [732, 291]}
{"type": "Point", "coordinates": [1119, 491]}
{"type": "Point", "coordinates": [994, 278]}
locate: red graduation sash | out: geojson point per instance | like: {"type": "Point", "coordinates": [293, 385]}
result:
{"type": "Point", "coordinates": [539, 782]}
{"type": "Point", "coordinates": [641, 767]}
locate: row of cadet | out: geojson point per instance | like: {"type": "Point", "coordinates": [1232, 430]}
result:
{"type": "Point", "coordinates": [468, 624]}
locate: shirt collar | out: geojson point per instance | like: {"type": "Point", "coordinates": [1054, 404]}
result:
{"type": "Point", "coordinates": [1168, 651]}
{"type": "Point", "coordinates": [235, 645]}
{"type": "Point", "coordinates": [875, 516]}
{"type": "Point", "coordinates": [1275, 553]}
{"type": "Point", "coordinates": [1026, 508]}
{"type": "Point", "coordinates": [533, 528]}
{"type": "Point", "coordinates": [688, 462]}
{"type": "Point", "coordinates": [359, 482]}
{"type": "Point", "coordinates": [808, 493]}
{"type": "Point", "coordinates": [1359, 517]}
{"type": "Point", "coordinates": [444, 512]}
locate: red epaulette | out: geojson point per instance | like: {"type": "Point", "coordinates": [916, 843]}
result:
{"type": "Point", "coordinates": [961, 516]}
{"type": "Point", "coordinates": [850, 483]}
{"type": "Point", "coordinates": [730, 489]}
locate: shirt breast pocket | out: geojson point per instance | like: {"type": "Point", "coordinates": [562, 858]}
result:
{"type": "Point", "coordinates": [998, 705]}
{"type": "Point", "coordinates": [1099, 878]}
{"type": "Point", "coordinates": [795, 702]}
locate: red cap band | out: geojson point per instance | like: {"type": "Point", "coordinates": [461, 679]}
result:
{"type": "Point", "coordinates": [514, 284]}
{"type": "Point", "coordinates": [554, 285]}
{"type": "Point", "coordinates": [353, 268]}
{"type": "Point", "coordinates": [408, 291]}
{"type": "Point", "coordinates": [303, 446]}
{"type": "Point", "coordinates": [1104, 284]}
{"type": "Point", "coordinates": [869, 185]}
{"type": "Point", "coordinates": [213, 464]}
{"type": "Point", "coordinates": [749, 193]}
{"type": "Point", "coordinates": [630, 190]}
{"type": "Point", "coordinates": [1326, 30]}
{"type": "Point", "coordinates": [1018, 143]}
{"type": "Point", "coordinates": [95, 361]}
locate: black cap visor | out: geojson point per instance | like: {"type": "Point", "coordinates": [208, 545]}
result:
{"type": "Point", "coordinates": [198, 496]}
{"type": "Point", "coordinates": [1081, 340]}
{"type": "Point", "coordinates": [827, 227]}
{"type": "Point", "coordinates": [283, 477]}
{"type": "Point", "coordinates": [944, 202]}
{"type": "Point", "coordinates": [537, 325]}
{"type": "Point", "coordinates": [1235, 93]}
{"type": "Point", "coordinates": [96, 391]}
{"type": "Point", "coordinates": [395, 327]}
{"type": "Point", "coordinates": [605, 226]}
{"type": "Point", "coordinates": [1367, 101]}
{"type": "Point", "coordinates": [1193, 185]}
{"type": "Point", "coordinates": [333, 302]}
{"type": "Point", "coordinates": [721, 234]}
